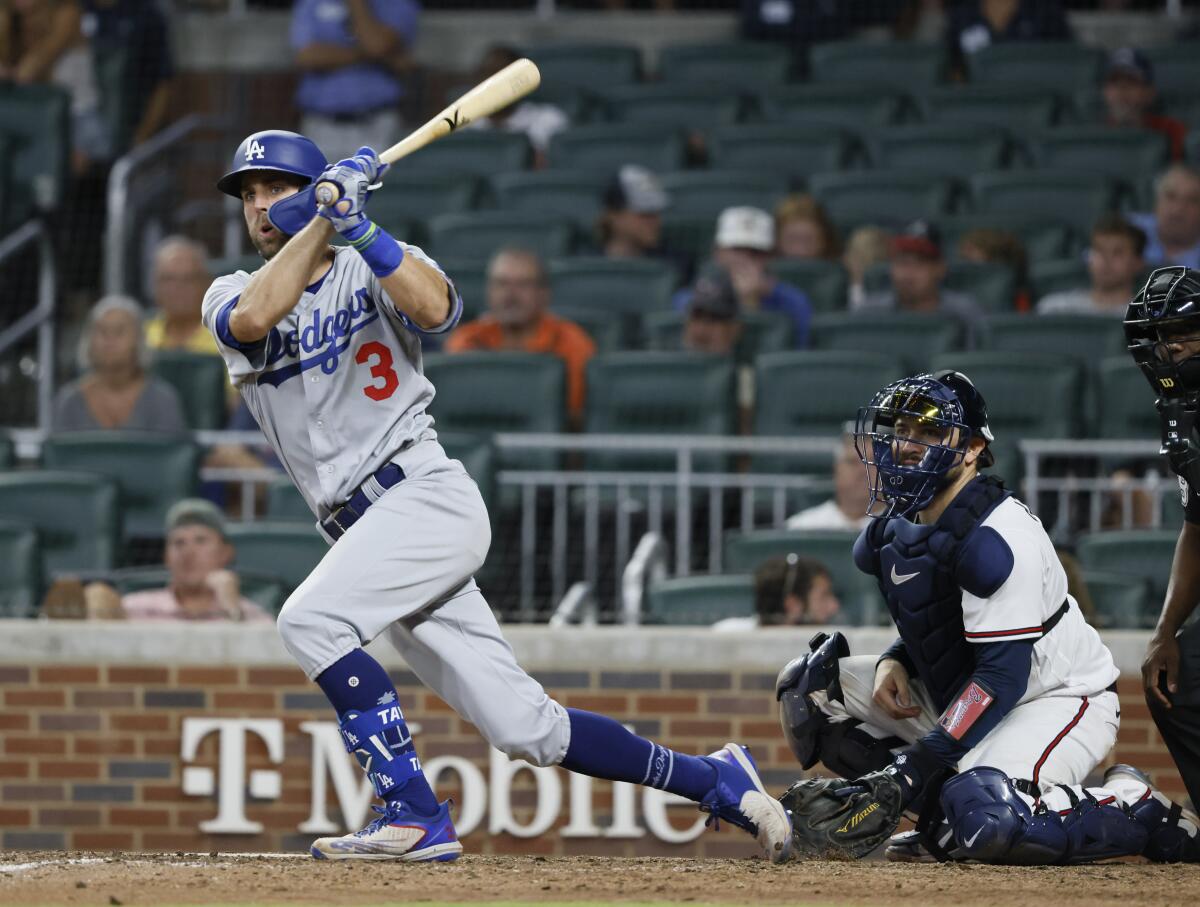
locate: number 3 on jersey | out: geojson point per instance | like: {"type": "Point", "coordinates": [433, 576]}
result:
{"type": "Point", "coordinates": [380, 368]}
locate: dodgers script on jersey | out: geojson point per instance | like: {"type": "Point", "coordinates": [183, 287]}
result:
{"type": "Point", "coordinates": [337, 386]}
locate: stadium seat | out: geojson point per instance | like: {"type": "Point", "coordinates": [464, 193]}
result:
{"type": "Point", "coordinates": [885, 64]}
{"type": "Point", "coordinates": [629, 287]}
{"type": "Point", "coordinates": [1052, 65]}
{"type": "Point", "coordinates": [469, 276]}
{"type": "Point", "coordinates": [915, 338]}
{"type": "Point", "coordinates": [285, 504]}
{"type": "Point", "coordinates": [410, 195]}
{"type": "Point", "coordinates": [1121, 601]}
{"type": "Point", "coordinates": [783, 148]}
{"type": "Point", "coordinates": [152, 471]}
{"type": "Point", "coordinates": [76, 514]}
{"type": "Point", "coordinates": [708, 192]}
{"type": "Point", "coordinates": [478, 152]}
{"type": "Point", "coordinates": [231, 264]}
{"type": "Point", "coordinates": [1119, 154]}
{"type": "Point", "coordinates": [8, 452]}
{"type": "Point", "coordinates": [1176, 66]}
{"type": "Point", "coordinates": [1062, 195]}
{"type": "Point", "coordinates": [1126, 401]}
{"type": "Point", "coordinates": [573, 194]}
{"type": "Point", "coordinates": [762, 332]}
{"type": "Point", "coordinates": [825, 283]}
{"type": "Point", "coordinates": [21, 578]}
{"type": "Point", "coordinates": [699, 600]}
{"type": "Point", "coordinates": [202, 382]}
{"type": "Point", "coordinates": [1082, 336]}
{"type": "Point", "coordinates": [12, 213]}
{"type": "Point", "coordinates": [857, 591]}
{"type": "Point", "coordinates": [954, 150]}
{"type": "Point", "coordinates": [1045, 237]}
{"type": "Point", "coordinates": [587, 65]}
{"type": "Point", "coordinates": [1144, 554]}
{"type": "Point", "coordinates": [37, 117]}
{"type": "Point", "coordinates": [609, 330]}
{"type": "Point", "coordinates": [1057, 275]}
{"type": "Point", "coordinates": [478, 457]}
{"type": "Point", "coordinates": [689, 234]}
{"type": "Point", "coordinates": [880, 197]}
{"type": "Point", "coordinates": [479, 234]}
{"type": "Point", "coordinates": [745, 64]}
{"type": "Point", "coordinates": [605, 148]}
{"type": "Point", "coordinates": [693, 106]}
{"type": "Point", "coordinates": [851, 106]}
{"type": "Point", "coordinates": [1014, 108]}
{"type": "Point", "coordinates": [287, 550]}
{"type": "Point", "coordinates": [1029, 395]}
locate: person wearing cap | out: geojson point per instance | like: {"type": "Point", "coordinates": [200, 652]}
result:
{"type": "Point", "coordinates": [1131, 98]}
{"type": "Point", "coordinates": [201, 587]}
{"type": "Point", "coordinates": [712, 324]}
{"type": "Point", "coordinates": [744, 245]}
{"type": "Point", "coordinates": [631, 224]}
{"type": "Point", "coordinates": [1173, 228]}
{"type": "Point", "coordinates": [917, 270]}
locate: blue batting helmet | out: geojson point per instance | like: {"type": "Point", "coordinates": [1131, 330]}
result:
{"type": "Point", "coordinates": [273, 149]}
{"type": "Point", "coordinates": [920, 412]}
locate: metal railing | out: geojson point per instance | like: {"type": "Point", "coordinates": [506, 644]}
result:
{"type": "Point", "coordinates": [41, 317]}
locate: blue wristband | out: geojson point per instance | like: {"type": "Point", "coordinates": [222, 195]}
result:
{"type": "Point", "coordinates": [377, 247]}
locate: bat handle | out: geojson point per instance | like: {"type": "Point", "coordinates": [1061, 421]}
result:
{"type": "Point", "coordinates": [326, 193]}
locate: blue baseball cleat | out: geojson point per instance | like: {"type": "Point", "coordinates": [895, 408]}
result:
{"type": "Point", "coordinates": [740, 799]}
{"type": "Point", "coordinates": [397, 834]}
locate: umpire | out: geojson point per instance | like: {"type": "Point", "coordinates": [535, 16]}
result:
{"type": "Point", "coordinates": [1162, 326]}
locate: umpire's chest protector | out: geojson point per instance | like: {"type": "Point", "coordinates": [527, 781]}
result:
{"type": "Point", "coordinates": [922, 571]}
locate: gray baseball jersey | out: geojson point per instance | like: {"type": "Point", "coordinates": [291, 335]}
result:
{"type": "Point", "coordinates": [336, 386]}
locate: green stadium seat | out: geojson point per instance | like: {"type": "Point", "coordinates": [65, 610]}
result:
{"type": "Point", "coordinates": [894, 63]}
{"type": "Point", "coordinates": [1144, 554]}
{"type": "Point", "coordinates": [478, 457]}
{"type": "Point", "coordinates": [1054, 65]}
{"type": "Point", "coordinates": [152, 471]}
{"type": "Point", "coordinates": [1126, 401]}
{"type": "Point", "coordinates": [610, 331]}
{"type": "Point", "coordinates": [469, 276]}
{"type": "Point", "coordinates": [857, 591]}
{"type": "Point", "coordinates": [572, 194]}
{"type": "Point", "coordinates": [8, 452]}
{"type": "Point", "coordinates": [1061, 195]}
{"type": "Point", "coordinates": [1045, 237]}
{"type": "Point", "coordinates": [478, 152]}
{"type": "Point", "coordinates": [628, 288]}
{"type": "Point", "coordinates": [783, 148]}
{"type": "Point", "coordinates": [681, 105]}
{"type": "Point", "coordinates": [408, 196]}
{"type": "Point", "coordinates": [825, 283]}
{"type": "Point", "coordinates": [76, 514]}
{"type": "Point", "coordinates": [586, 65]}
{"type": "Point", "coordinates": [689, 235]}
{"type": "Point", "coordinates": [285, 504]}
{"type": "Point", "coordinates": [37, 117]}
{"type": "Point", "coordinates": [1122, 602]}
{"type": "Point", "coordinates": [21, 578]}
{"type": "Point", "coordinates": [11, 213]}
{"type": "Point", "coordinates": [762, 332]}
{"type": "Point", "coordinates": [950, 149]}
{"type": "Point", "coordinates": [605, 148]}
{"type": "Point", "coordinates": [1014, 108]}
{"type": "Point", "coordinates": [231, 264]}
{"type": "Point", "coordinates": [636, 393]}
{"type": "Point", "coordinates": [851, 106]}
{"type": "Point", "coordinates": [1082, 336]}
{"type": "Point", "coordinates": [202, 382]}
{"type": "Point", "coordinates": [1057, 275]}
{"type": "Point", "coordinates": [1176, 66]}
{"type": "Point", "coordinates": [287, 550]}
{"type": "Point", "coordinates": [748, 64]}
{"type": "Point", "coordinates": [916, 338]}
{"type": "Point", "coordinates": [1119, 154]}
{"type": "Point", "coordinates": [880, 197]}
{"type": "Point", "coordinates": [709, 192]}
{"type": "Point", "coordinates": [699, 600]}
{"type": "Point", "coordinates": [1029, 395]}
{"type": "Point", "coordinates": [481, 233]}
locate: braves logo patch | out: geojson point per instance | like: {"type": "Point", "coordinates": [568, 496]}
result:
{"type": "Point", "coordinates": [965, 711]}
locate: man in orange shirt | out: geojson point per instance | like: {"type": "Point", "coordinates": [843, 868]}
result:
{"type": "Point", "coordinates": [517, 318]}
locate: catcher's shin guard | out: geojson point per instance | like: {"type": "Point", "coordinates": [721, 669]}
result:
{"type": "Point", "coordinates": [1173, 833]}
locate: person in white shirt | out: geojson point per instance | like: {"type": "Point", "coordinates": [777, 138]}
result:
{"type": "Point", "coordinates": [1115, 261]}
{"type": "Point", "coordinates": [847, 509]}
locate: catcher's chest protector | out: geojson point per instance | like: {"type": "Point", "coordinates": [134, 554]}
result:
{"type": "Point", "coordinates": [916, 568]}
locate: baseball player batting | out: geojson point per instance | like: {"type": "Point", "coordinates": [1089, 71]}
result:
{"type": "Point", "coordinates": [324, 345]}
{"type": "Point", "coordinates": [997, 700]}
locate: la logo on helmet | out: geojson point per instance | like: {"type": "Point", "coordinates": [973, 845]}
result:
{"type": "Point", "coordinates": [255, 151]}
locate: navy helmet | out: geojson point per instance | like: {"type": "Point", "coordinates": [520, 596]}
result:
{"type": "Point", "coordinates": [1166, 310]}
{"type": "Point", "coordinates": [273, 149]}
{"type": "Point", "coordinates": [930, 408]}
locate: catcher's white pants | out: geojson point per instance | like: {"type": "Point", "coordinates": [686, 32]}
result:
{"type": "Point", "coordinates": [406, 567]}
{"type": "Point", "coordinates": [1049, 740]}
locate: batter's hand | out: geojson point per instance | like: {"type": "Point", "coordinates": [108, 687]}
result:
{"type": "Point", "coordinates": [354, 178]}
{"type": "Point", "coordinates": [1161, 656]}
{"type": "Point", "coordinates": [891, 690]}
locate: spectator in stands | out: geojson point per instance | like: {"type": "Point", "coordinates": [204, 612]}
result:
{"type": "Point", "coordinates": [1173, 229]}
{"type": "Point", "coordinates": [744, 246]}
{"type": "Point", "coordinates": [917, 271]}
{"type": "Point", "coordinates": [847, 509]}
{"type": "Point", "coordinates": [1131, 98]}
{"type": "Point", "coordinates": [631, 224]}
{"type": "Point", "coordinates": [201, 585]}
{"type": "Point", "coordinates": [712, 324]}
{"type": "Point", "coordinates": [1114, 264]}
{"type": "Point", "coordinates": [180, 277]}
{"type": "Point", "coordinates": [353, 56]}
{"type": "Point", "coordinates": [1000, 247]}
{"type": "Point", "coordinates": [975, 24]}
{"type": "Point", "coordinates": [539, 122]}
{"type": "Point", "coordinates": [789, 591]}
{"type": "Point", "coordinates": [517, 318]}
{"type": "Point", "coordinates": [866, 246]}
{"type": "Point", "coordinates": [803, 229]}
{"type": "Point", "coordinates": [114, 391]}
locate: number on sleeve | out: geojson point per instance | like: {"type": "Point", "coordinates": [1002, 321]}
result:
{"type": "Point", "coordinates": [380, 369]}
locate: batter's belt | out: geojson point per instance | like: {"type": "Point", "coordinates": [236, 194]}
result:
{"type": "Point", "coordinates": [334, 526]}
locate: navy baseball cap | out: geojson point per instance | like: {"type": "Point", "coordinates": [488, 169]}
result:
{"type": "Point", "coordinates": [1129, 62]}
{"type": "Point", "coordinates": [713, 296]}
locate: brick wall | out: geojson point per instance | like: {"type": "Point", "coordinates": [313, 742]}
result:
{"type": "Point", "coordinates": [90, 755]}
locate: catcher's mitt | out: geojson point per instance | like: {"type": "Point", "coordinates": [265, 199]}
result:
{"type": "Point", "coordinates": [835, 816]}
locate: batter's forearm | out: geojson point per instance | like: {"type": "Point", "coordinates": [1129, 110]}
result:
{"type": "Point", "coordinates": [276, 288]}
{"type": "Point", "coordinates": [1183, 590]}
{"type": "Point", "coordinates": [419, 292]}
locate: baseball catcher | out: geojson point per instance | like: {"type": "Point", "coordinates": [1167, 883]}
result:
{"type": "Point", "coordinates": [996, 701]}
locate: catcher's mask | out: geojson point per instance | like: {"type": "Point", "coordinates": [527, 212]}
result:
{"type": "Point", "coordinates": [1162, 321]}
{"type": "Point", "coordinates": [913, 433]}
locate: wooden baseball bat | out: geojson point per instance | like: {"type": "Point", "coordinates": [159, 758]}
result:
{"type": "Point", "coordinates": [494, 93]}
